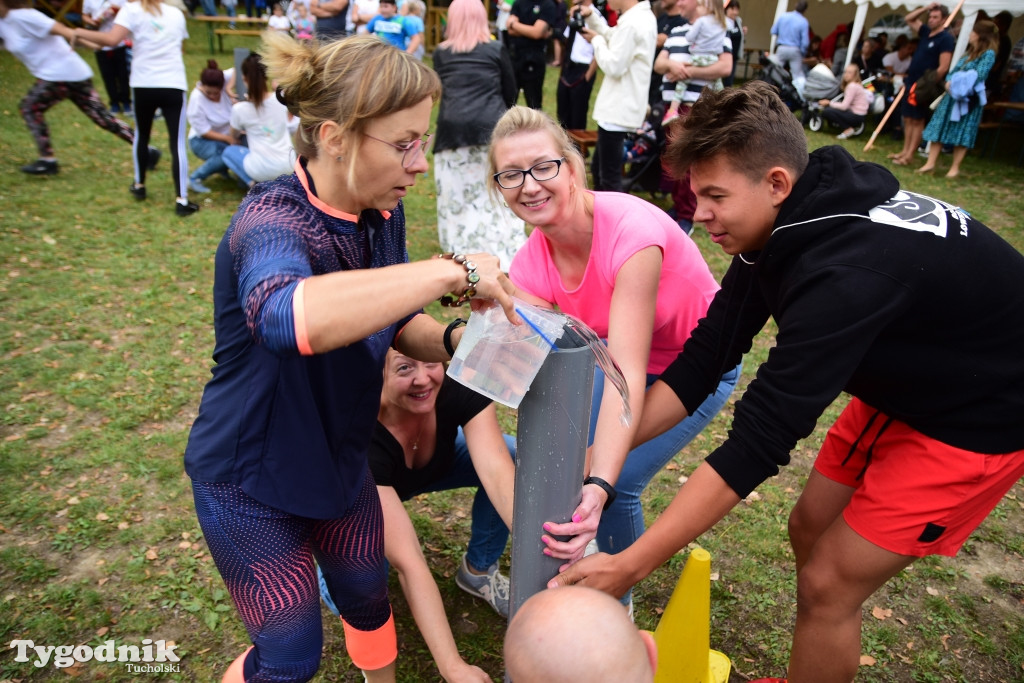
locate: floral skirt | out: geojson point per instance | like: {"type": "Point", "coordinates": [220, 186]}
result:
{"type": "Point", "coordinates": [469, 218]}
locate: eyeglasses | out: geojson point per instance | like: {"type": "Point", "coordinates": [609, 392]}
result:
{"type": "Point", "coordinates": [408, 150]}
{"type": "Point", "coordinates": [541, 171]}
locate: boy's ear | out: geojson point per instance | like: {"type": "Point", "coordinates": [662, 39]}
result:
{"type": "Point", "coordinates": [780, 182]}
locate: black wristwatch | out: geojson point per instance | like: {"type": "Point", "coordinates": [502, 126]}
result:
{"type": "Point", "coordinates": [608, 488]}
{"type": "Point", "coordinates": [447, 338]}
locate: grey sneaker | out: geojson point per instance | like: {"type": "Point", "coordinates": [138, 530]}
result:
{"type": "Point", "coordinates": [491, 587]}
{"type": "Point", "coordinates": [197, 186]}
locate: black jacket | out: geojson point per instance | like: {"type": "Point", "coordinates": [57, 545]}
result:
{"type": "Point", "coordinates": [477, 87]}
{"type": "Point", "coordinates": [899, 299]}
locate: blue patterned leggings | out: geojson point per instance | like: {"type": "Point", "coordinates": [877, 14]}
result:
{"type": "Point", "coordinates": [45, 94]}
{"type": "Point", "coordinates": [266, 558]}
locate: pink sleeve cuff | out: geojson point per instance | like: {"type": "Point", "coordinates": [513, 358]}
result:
{"type": "Point", "coordinates": [299, 313]}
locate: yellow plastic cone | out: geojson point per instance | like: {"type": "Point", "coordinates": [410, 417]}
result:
{"type": "Point", "coordinates": [684, 643]}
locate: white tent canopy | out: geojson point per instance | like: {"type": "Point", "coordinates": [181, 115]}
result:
{"type": "Point", "coordinates": [970, 12]}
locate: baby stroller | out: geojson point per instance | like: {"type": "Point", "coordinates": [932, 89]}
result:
{"type": "Point", "coordinates": [821, 84]}
{"type": "Point", "coordinates": [774, 73]}
{"type": "Point", "coordinates": [812, 116]}
{"type": "Point", "coordinates": [643, 154]}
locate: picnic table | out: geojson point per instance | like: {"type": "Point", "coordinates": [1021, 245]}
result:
{"type": "Point", "coordinates": [218, 26]}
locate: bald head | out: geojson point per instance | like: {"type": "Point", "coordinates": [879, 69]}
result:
{"type": "Point", "coordinates": [576, 635]}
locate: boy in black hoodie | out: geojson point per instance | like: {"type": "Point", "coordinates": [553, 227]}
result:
{"type": "Point", "coordinates": [904, 302]}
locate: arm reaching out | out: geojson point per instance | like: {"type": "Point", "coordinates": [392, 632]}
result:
{"type": "Point", "coordinates": [702, 501]}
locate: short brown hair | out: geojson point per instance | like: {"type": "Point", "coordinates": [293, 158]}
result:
{"type": "Point", "coordinates": [748, 125]}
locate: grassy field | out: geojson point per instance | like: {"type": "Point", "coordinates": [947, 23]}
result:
{"type": "Point", "coordinates": [105, 339]}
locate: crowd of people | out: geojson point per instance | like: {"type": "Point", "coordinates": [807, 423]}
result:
{"type": "Point", "coordinates": [328, 405]}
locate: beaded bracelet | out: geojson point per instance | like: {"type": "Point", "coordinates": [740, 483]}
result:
{"type": "Point", "coordinates": [472, 277]}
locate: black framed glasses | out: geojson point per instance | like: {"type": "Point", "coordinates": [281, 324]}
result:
{"type": "Point", "coordinates": [541, 171]}
{"type": "Point", "coordinates": [408, 150]}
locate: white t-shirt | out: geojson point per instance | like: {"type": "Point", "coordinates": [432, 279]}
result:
{"type": "Point", "coordinates": [899, 66]}
{"type": "Point", "coordinates": [156, 46]}
{"type": "Point", "coordinates": [279, 23]}
{"type": "Point", "coordinates": [205, 115]}
{"type": "Point", "coordinates": [266, 130]}
{"type": "Point", "coordinates": [48, 57]}
{"type": "Point", "coordinates": [369, 7]}
{"type": "Point", "coordinates": [96, 10]}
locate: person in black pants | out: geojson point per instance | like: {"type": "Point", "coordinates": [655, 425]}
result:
{"type": "Point", "coordinates": [576, 82]}
{"type": "Point", "coordinates": [529, 27]}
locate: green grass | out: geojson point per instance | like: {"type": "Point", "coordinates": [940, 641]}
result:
{"type": "Point", "coordinates": [105, 338]}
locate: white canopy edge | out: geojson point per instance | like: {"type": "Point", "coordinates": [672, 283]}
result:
{"type": "Point", "coordinates": [969, 10]}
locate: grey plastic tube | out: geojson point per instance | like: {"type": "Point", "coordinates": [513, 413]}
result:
{"type": "Point", "coordinates": [551, 449]}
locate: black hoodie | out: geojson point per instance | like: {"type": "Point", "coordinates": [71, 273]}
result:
{"type": "Point", "coordinates": [901, 300]}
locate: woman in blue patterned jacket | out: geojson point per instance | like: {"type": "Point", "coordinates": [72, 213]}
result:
{"type": "Point", "coordinates": [312, 287]}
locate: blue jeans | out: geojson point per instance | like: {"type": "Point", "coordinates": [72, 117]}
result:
{"type": "Point", "coordinates": [623, 522]}
{"type": "Point", "coordinates": [210, 151]}
{"type": "Point", "coordinates": [234, 158]}
{"type": "Point", "coordinates": [488, 534]}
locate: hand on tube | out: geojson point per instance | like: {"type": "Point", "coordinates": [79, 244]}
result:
{"type": "Point", "coordinates": [582, 528]}
{"type": "Point", "coordinates": [601, 571]}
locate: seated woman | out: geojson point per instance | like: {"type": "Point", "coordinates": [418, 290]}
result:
{"type": "Point", "coordinates": [266, 124]}
{"type": "Point", "coordinates": [209, 120]}
{"type": "Point", "coordinates": [625, 268]}
{"type": "Point", "coordinates": [850, 111]}
{"type": "Point", "coordinates": [814, 56]}
{"type": "Point", "coordinates": [433, 434]}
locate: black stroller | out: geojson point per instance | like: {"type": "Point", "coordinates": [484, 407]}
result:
{"type": "Point", "coordinates": [643, 155]}
{"type": "Point", "coordinates": [773, 73]}
{"type": "Point", "coordinates": [821, 84]}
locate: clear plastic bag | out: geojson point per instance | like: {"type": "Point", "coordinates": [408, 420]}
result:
{"type": "Point", "coordinates": [499, 359]}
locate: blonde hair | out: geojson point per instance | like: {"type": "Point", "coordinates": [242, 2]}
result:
{"type": "Point", "coordinates": [525, 120]}
{"type": "Point", "coordinates": [717, 9]}
{"type": "Point", "coordinates": [415, 7]}
{"type": "Point", "coordinates": [350, 82]}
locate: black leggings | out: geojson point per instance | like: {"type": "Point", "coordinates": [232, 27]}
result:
{"type": "Point", "coordinates": [606, 165]}
{"type": "Point", "coordinates": [573, 96]}
{"type": "Point", "coordinates": [171, 102]}
{"type": "Point", "coordinates": [113, 66]}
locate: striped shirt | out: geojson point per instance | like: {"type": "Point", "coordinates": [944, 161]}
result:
{"type": "Point", "coordinates": [678, 49]}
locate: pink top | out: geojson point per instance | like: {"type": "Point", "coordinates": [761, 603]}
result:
{"type": "Point", "coordinates": [623, 225]}
{"type": "Point", "coordinates": [856, 99]}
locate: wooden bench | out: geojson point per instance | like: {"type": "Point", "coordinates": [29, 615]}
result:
{"type": "Point", "coordinates": [218, 26]}
{"type": "Point", "coordinates": [998, 111]}
{"type": "Point", "coordinates": [221, 32]}
{"type": "Point", "coordinates": [584, 139]}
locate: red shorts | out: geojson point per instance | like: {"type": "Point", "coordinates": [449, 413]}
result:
{"type": "Point", "coordinates": [914, 495]}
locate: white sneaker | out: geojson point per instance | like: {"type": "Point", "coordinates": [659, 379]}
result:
{"type": "Point", "coordinates": [491, 587]}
